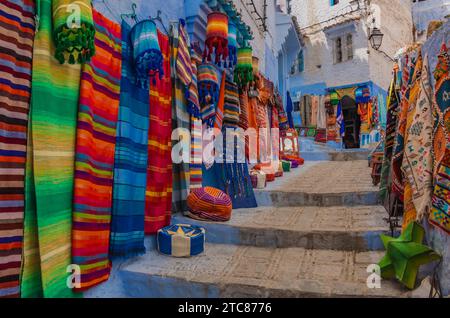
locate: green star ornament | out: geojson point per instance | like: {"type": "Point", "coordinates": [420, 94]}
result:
{"type": "Point", "coordinates": [405, 254]}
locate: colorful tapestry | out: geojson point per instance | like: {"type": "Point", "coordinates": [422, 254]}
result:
{"type": "Point", "coordinates": [418, 161]}
{"type": "Point", "coordinates": [180, 119]}
{"type": "Point", "coordinates": [158, 202]}
{"type": "Point", "coordinates": [440, 212]}
{"type": "Point", "coordinates": [16, 50]}
{"type": "Point", "coordinates": [50, 172]}
{"type": "Point", "coordinates": [441, 109]}
{"type": "Point", "coordinates": [130, 162]}
{"type": "Point", "coordinates": [244, 114]}
{"type": "Point", "coordinates": [196, 170]}
{"type": "Point", "coordinates": [94, 161]}
{"type": "Point", "coordinates": [232, 107]}
{"type": "Point", "coordinates": [391, 125]}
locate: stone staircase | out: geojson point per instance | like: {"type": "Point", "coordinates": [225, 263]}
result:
{"type": "Point", "coordinates": [314, 234]}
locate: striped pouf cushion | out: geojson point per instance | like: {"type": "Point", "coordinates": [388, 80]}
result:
{"type": "Point", "coordinates": [209, 204]}
{"type": "Point", "coordinates": [258, 179]}
{"type": "Point", "coordinates": [181, 240]}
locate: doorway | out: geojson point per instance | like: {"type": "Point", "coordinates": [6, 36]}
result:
{"type": "Point", "coordinates": [352, 123]}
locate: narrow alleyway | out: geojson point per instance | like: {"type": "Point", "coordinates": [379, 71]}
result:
{"type": "Point", "coordinates": [314, 234]}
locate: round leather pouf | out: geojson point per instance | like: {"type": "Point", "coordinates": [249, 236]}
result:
{"type": "Point", "coordinates": [181, 240]}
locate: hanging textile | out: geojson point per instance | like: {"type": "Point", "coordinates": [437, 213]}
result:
{"type": "Point", "coordinates": [232, 107]}
{"type": "Point", "coordinates": [131, 159]}
{"type": "Point", "coordinates": [158, 199]}
{"type": "Point", "coordinates": [441, 109]}
{"type": "Point", "coordinates": [314, 110]}
{"type": "Point", "coordinates": [440, 212]}
{"type": "Point", "coordinates": [410, 212]}
{"type": "Point", "coordinates": [391, 125]}
{"type": "Point", "coordinates": [73, 44]}
{"type": "Point", "coordinates": [321, 113]}
{"type": "Point", "coordinates": [94, 161]}
{"type": "Point", "coordinates": [218, 122]}
{"type": "Point", "coordinates": [16, 50]}
{"type": "Point", "coordinates": [50, 162]}
{"type": "Point", "coordinates": [418, 161]}
{"type": "Point", "coordinates": [289, 110]}
{"type": "Point", "coordinates": [243, 73]}
{"type": "Point", "coordinates": [196, 174]}
{"type": "Point", "coordinates": [232, 44]}
{"type": "Point", "coordinates": [340, 121]}
{"type": "Point", "coordinates": [244, 114]}
{"type": "Point", "coordinates": [180, 119]}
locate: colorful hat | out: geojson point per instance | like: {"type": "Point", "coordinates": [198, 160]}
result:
{"type": "Point", "coordinates": [216, 38]}
{"type": "Point", "coordinates": [209, 204]}
{"type": "Point", "coordinates": [76, 41]}
{"type": "Point", "coordinates": [232, 45]}
{"type": "Point", "coordinates": [147, 54]}
{"type": "Point", "coordinates": [181, 240]}
{"type": "Point", "coordinates": [244, 69]}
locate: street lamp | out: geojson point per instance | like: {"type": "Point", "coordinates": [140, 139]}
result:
{"type": "Point", "coordinates": [376, 38]}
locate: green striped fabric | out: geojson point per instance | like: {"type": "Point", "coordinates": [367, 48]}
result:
{"type": "Point", "coordinates": [50, 167]}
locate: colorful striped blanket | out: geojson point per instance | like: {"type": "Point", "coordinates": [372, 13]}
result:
{"type": "Point", "coordinates": [50, 173]}
{"type": "Point", "coordinates": [130, 166]}
{"type": "Point", "coordinates": [16, 50]}
{"type": "Point", "coordinates": [158, 203]}
{"type": "Point", "coordinates": [94, 162]}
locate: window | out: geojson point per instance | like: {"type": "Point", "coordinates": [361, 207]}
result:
{"type": "Point", "coordinates": [338, 50]}
{"type": "Point", "coordinates": [349, 46]}
{"type": "Point", "coordinates": [334, 2]}
{"type": "Point", "coordinates": [301, 61]}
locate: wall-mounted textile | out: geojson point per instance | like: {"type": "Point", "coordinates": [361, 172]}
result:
{"type": "Point", "coordinates": [391, 126]}
{"type": "Point", "coordinates": [440, 213]}
{"type": "Point", "coordinates": [16, 50]}
{"type": "Point", "coordinates": [418, 160]}
{"type": "Point", "coordinates": [158, 202]}
{"type": "Point", "coordinates": [441, 109]}
{"type": "Point", "coordinates": [50, 172]}
{"type": "Point", "coordinates": [131, 159]}
{"type": "Point", "coordinates": [321, 113]}
{"type": "Point", "coordinates": [232, 107]}
{"type": "Point", "coordinates": [95, 147]}
{"type": "Point", "coordinates": [180, 119]}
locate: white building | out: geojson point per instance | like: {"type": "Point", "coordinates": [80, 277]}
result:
{"type": "Point", "coordinates": [337, 55]}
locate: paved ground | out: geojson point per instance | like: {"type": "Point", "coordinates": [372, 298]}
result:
{"type": "Point", "coordinates": [327, 177]}
{"type": "Point", "coordinates": [243, 271]}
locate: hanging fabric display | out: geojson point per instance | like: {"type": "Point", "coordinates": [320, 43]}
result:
{"type": "Point", "coordinates": [216, 38]}
{"type": "Point", "coordinates": [148, 59]}
{"type": "Point", "coordinates": [441, 109]}
{"type": "Point", "coordinates": [289, 110]}
{"type": "Point", "coordinates": [255, 63]}
{"type": "Point", "coordinates": [180, 116]}
{"type": "Point", "coordinates": [232, 45]}
{"type": "Point", "coordinates": [243, 74]}
{"type": "Point", "coordinates": [131, 159]}
{"type": "Point", "coordinates": [440, 212]}
{"type": "Point", "coordinates": [94, 161]}
{"type": "Point", "coordinates": [50, 162]}
{"type": "Point", "coordinates": [196, 174]}
{"type": "Point", "coordinates": [232, 107]}
{"type": "Point", "coordinates": [158, 198]}
{"type": "Point", "coordinates": [74, 39]}
{"type": "Point", "coordinates": [208, 91]}
{"type": "Point", "coordinates": [16, 52]}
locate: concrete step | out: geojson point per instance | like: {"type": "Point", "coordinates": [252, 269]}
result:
{"type": "Point", "coordinates": [241, 271]}
{"type": "Point", "coordinates": [330, 183]}
{"type": "Point", "coordinates": [332, 228]}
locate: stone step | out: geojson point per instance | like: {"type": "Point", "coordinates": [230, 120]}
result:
{"type": "Point", "coordinates": [242, 271]}
{"type": "Point", "coordinates": [345, 155]}
{"type": "Point", "coordinates": [331, 228]}
{"type": "Point", "coordinates": [331, 183]}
